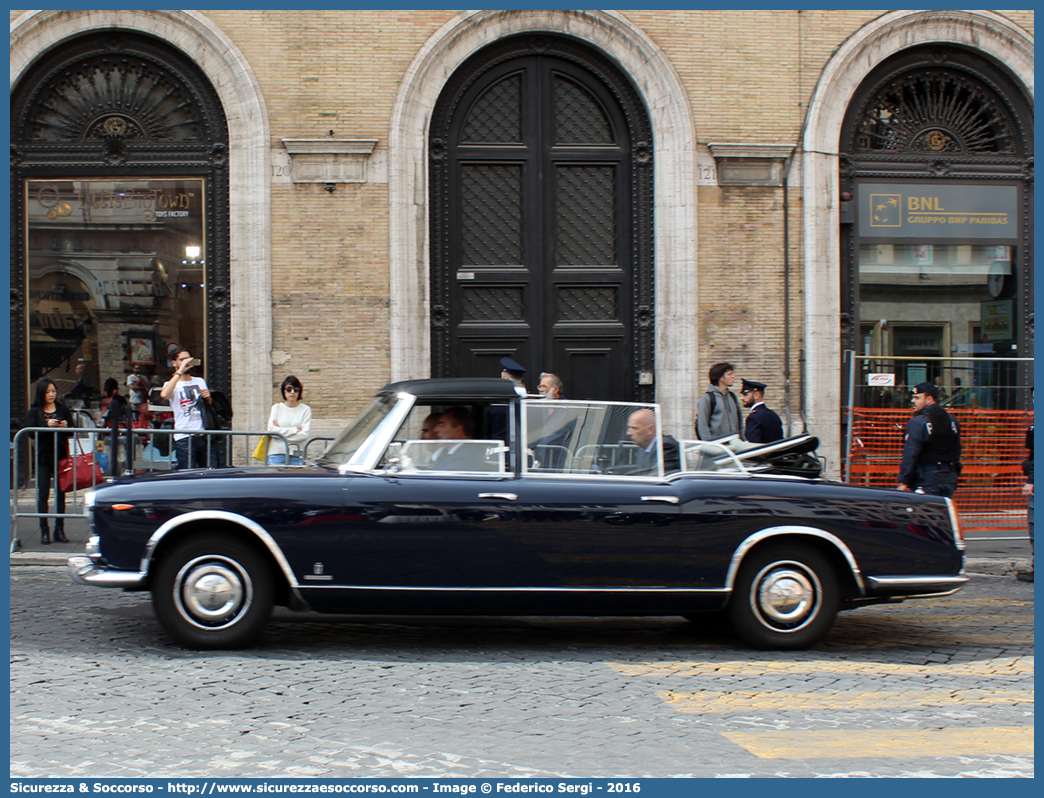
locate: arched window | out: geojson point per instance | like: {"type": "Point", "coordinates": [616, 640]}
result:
{"type": "Point", "coordinates": [541, 219]}
{"type": "Point", "coordinates": [937, 233]}
{"type": "Point", "coordinates": [119, 201]}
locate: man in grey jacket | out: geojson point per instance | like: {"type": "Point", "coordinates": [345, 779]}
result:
{"type": "Point", "coordinates": [718, 412]}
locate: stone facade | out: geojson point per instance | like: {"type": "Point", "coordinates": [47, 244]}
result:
{"type": "Point", "coordinates": [331, 285]}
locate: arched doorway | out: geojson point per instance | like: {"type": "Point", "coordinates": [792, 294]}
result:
{"type": "Point", "coordinates": [119, 187]}
{"type": "Point", "coordinates": [541, 219]}
{"type": "Point", "coordinates": [937, 241]}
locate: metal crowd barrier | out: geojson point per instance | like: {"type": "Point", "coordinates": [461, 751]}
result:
{"type": "Point", "coordinates": [135, 446]}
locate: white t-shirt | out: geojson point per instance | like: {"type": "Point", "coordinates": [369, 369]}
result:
{"type": "Point", "coordinates": [183, 403]}
{"type": "Point", "coordinates": [138, 386]}
{"type": "Point", "coordinates": [288, 420]}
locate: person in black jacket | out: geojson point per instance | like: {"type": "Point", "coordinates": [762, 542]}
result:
{"type": "Point", "coordinates": [118, 411]}
{"type": "Point", "coordinates": [51, 449]}
{"type": "Point", "coordinates": [763, 425]}
{"type": "Point", "coordinates": [641, 429]}
{"type": "Point", "coordinates": [931, 446]}
{"type": "Point", "coordinates": [1027, 491]}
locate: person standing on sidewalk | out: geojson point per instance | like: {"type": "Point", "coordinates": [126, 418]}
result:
{"type": "Point", "coordinates": [931, 446]}
{"type": "Point", "coordinates": [183, 392]}
{"type": "Point", "coordinates": [718, 412]}
{"type": "Point", "coordinates": [292, 418]}
{"type": "Point", "coordinates": [51, 449]}
{"type": "Point", "coordinates": [1027, 491]}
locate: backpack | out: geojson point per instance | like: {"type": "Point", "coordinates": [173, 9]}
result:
{"type": "Point", "coordinates": [696, 420]}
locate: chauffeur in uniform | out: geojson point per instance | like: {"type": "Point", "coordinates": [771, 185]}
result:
{"type": "Point", "coordinates": [763, 425]}
{"type": "Point", "coordinates": [931, 446]}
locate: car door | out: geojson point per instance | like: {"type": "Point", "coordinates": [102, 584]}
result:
{"type": "Point", "coordinates": [598, 531]}
{"type": "Point", "coordinates": [426, 530]}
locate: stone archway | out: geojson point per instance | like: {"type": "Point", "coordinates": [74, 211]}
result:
{"type": "Point", "coordinates": [984, 32]}
{"type": "Point", "coordinates": [674, 138]}
{"type": "Point", "coordinates": [35, 32]}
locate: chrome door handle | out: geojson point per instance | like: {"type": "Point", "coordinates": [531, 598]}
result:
{"type": "Point", "coordinates": [668, 499]}
{"type": "Point", "coordinates": [509, 496]}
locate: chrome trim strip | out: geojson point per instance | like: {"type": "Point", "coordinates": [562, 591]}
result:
{"type": "Point", "coordinates": [668, 499]}
{"type": "Point", "coordinates": [776, 531]}
{"type": "Point", "coordinates": [432, 589]}
{"type": "Point", "coordinates": [918, 582]}
{"type": "Point", "coordinates": [508, 496]}
{"type": "Point", "coordinates": [84, 571]}
{"type": "Point", "coordinates": [218, 515]}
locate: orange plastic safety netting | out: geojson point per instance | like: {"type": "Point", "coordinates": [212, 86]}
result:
{"type": "Point", "coordinates": [993, 447]}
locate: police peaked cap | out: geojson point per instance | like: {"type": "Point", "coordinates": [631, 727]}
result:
{"type": "Point", "coordinates": [511, 367]}
{"type": "Point", "coordinates": [750, 385]}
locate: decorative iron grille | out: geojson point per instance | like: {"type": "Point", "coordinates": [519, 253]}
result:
{"type": "Point", "coordinates": [934, 112]}
{"type": "Point", "coordinates": [496, 116]}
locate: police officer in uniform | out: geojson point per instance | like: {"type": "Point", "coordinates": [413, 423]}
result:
{"type": "Point", "coordinates": [931, 446]}
{"type": "Point", "coordinates": [763, 425]}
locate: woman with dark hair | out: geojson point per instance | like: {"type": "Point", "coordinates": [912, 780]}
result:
{"type": "Point", "coordinates": [292, 418]}
{"type": "Point", "coordinates": [51, 449]}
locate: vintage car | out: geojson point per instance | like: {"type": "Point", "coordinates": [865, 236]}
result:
{"type": "Point", "coordinates": [548, 508]}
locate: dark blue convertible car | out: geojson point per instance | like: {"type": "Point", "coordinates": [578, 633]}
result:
{"type": "Point", "coordinates": [571, 512]}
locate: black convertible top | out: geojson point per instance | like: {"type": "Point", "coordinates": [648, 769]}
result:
{"type": "Point", "coordinates": [454, 389]}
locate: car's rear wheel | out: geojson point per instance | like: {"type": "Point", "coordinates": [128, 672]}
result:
{"type": "Point", "coordinates": [213, 592]}
{"type": "Point", "coordinates": [785, 597]}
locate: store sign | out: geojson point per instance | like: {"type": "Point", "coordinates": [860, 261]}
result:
{"type": "Point", "coordinates": [966, 211]}
{"type": "Point", "coordinates": [880, 379]}
{"type": "Point", "coordinates": [996, 320]}
{"type": "Point", "coordinates": [917, 343]}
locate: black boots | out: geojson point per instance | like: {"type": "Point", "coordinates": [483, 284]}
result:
{"type": "Point", "coordinates": [59, 535]}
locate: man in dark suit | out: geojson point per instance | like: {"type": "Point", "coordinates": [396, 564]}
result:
{"type": "Point", "coordinates": [763, 425]}
{"type": "Point", "coordinates": [497, 415]}
{"type": "Point", "coordinates": [454, 426]}
{"type": "Point", "coordinates": [641, 429]}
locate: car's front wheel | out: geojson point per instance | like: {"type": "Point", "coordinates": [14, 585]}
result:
{"type": "Point", "coordinates": [213, 592]}
{"type": "Point", "coordinates": [785, 597]}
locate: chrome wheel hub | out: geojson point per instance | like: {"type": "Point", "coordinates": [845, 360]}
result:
{"type": "Point", "coordinates": [212, 591]}
{"type": "Point", "coordinates": [785, 596]}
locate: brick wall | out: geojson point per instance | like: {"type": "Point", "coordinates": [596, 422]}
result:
{"type": "Point", "coordinates": [748, 75]}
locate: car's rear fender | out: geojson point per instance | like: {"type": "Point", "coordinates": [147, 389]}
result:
{"type": "Point", "coordinates": [849, 574]}
{"type": "Point", "coordinates": [218, 522]}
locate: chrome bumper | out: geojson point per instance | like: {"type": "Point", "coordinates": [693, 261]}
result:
{"type": "Point", "coordinates": [915, 586]}
{"type": "Point", "coordinates": [86, 572]}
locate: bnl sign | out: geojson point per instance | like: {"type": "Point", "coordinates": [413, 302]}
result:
{"type": "Point", "coordinates": [923, 211]}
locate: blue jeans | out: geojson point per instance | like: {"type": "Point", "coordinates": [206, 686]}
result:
{"type": "Point", "coordinates": [281, 459]}
{"type": "Point", "coordinates": [199, 453]}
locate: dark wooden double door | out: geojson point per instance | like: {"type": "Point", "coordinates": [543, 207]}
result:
{"type": "Point", "coordinates": [537, 227]}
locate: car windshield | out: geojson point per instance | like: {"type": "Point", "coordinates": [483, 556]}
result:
{"type": "Point", "coordinates": [348, 444]}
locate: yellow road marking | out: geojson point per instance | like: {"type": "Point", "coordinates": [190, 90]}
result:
{"type": "Point", "coordinates": [835, 744]}
{"type": "Point", "coordinates": [786, 701]}
{"type": "Point", "coordinates": [1006, 666]}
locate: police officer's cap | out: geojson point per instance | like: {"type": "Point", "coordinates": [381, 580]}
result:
{"type": "Point", "coordinates": [750, 385]}
{"type": "Point", "coordinates": [926, 387]}
{"type": "Point", "coordinates": [512, 367]}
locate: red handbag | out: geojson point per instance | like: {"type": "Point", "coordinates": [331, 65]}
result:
{"type": "Point", "coordinates": [79, 472]}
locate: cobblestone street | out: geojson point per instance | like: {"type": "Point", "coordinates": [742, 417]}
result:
{"type": "Point", "coordinates": [931, 688]}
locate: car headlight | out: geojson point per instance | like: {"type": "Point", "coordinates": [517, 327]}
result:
{"type": "Point", "coordinates": [89, 499]}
